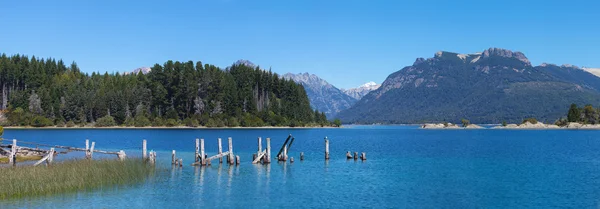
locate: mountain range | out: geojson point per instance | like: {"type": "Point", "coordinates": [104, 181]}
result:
{"type": "Point", "coordinates": [359, 92]}
{"type": "Point", "coordinates": [489, 87]}
{"type": "Point", "coordinates": [323, 96]}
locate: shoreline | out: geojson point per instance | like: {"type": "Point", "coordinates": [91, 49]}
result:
{"type": "Point", "coordinates": [163, 127]}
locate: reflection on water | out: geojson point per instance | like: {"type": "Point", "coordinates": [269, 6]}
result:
{"type": "Point", "coordinates": [406, 168]}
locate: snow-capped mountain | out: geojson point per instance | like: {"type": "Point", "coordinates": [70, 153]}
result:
{"type": "Point", "coordinates": [361, 91]}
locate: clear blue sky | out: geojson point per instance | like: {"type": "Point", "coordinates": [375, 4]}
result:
{"type": "Point", "coordinates": [345, 42]}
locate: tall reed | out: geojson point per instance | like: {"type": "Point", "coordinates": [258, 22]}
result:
{"type": "Point", "coordinates": [70, 176]}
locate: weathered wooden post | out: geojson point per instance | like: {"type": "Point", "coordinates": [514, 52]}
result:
{"type": "Point", "coordinates": [202, 154]}
{"type": "Point", "coordinates": [301, 156]}
{"type": "Point", "coordinates": [197, 151]}
{"type": "Point", "coordinates": [208, 162]}
{"type": "Point", "coordinates": [237, 160]}
{"type": "Point", "coordinates": [267, 158]}
{"type": "Point", "coordinates": [50, 157]}
{"type": "Point", "coordinates": [173, 159]}
{"type": "Point", "coordinates": [231, 156]}
{"type": "Point", "coordinates": [180, 162]}
{"type": "Point", "coordinates": [254, 156]}
{"type": "Point", "coordinates": [152, 157]}
{"type": "Point", "coordinates": [92, 149]}
{"type": "Point", "coordinates": [87, 149]}
{"type": "Point", "coordinates": [291, 159]}
{"type": "Point", "coordinates": [144, 157]}
{"type": "Point", "coordinates": [363, 156]}
{"type": "Point", "coordinates": [284, 155]}
{"type": "Point", "coordinates": [259, 145]}
{"type": "Point", "coordinates": [121, 155]}
{"type": "Point", "coordinates": [348, 155]}
{"type": "Point", "coordinates": [13, 153]}
{"type": "Point", "coordinates": [326, 149]}
{"type": "Point", "coordinates": [355, 155]}
{"type": "Point", "coordinates": [220, 151]}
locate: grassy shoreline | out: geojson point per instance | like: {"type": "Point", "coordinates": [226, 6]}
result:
{"type": "Point", "coordinates": [71, 176]}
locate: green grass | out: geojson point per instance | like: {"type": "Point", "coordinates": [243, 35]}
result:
{"type": "Point", "coordinates": [21, 159]}
{"type": "Point", "coordinates": [70, 176]}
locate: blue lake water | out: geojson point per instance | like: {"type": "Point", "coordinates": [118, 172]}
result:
{"type": "Point", "coordinates": [406, 168]}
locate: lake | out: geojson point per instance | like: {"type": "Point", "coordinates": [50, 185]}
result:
{"type": "Point", "coordinates": [406, 167]}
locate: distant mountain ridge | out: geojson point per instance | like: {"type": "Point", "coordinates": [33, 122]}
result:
{"type": "Point", "coordinates": [322, 95]}
{"type": "Point", "coordinates": [489, 87]}
{"type": "Point", "coordinates": [144, 70]}
{"type": "Point", "coordinates": [361, 91]}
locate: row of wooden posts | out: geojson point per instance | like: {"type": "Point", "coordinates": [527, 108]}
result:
{"type": "Point", "coordinates": [48, 155]}
{"type": "Point", "coordinates": [201, 158]}
{"type": "Point", "coordinates": [261, 156]}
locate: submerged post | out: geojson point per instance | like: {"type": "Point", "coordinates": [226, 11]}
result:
{"type": "Point", "coordinates": [144, 157]}
{"type": "Point", "coordinates": [348, 155]}
{"type": "Point", "coordinates": [267, 158]}
{"type": "Point", "coordinates": [291, 159]}
{"type": "Point", "coordinates": [202, 155]}
{"type": "Point", "coordinates": [121, 155]}
{"type": "Point", "coordinates": [231, 156]}
{"type": "Point", "coordinates": [355, 155]}
{"type": "Point", "coordinates": [326, 149]}
{"type": "Point", "coordinates": [152, 157]}
{"type": "Point", "coordinates": [13, 153]}
{"type": "Point", "coordinates": [197, 150]}
{"type": "Point", "coordinates": [173, 159]}
{"type": "Point", "coordinates": [284, 155]}
{"type": "Point", "coordinates": [363, 156]}
{"type": "Point", "coordinates": [220, 151]}
{"type": "Point", "coordinates": [180, 162]}
{"type": "Point", "coordinates": [301, 156]}
{"type": "Point", "coordinates": [237, 160]}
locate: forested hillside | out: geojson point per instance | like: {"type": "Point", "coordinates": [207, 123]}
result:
{"type": "Point", "coordinates": [46, 92]}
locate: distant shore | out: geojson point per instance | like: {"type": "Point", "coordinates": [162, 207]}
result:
{"type": "Point", "coordinates": [163, 127]}
{"type": "Point", "coordinates": [526, 126]}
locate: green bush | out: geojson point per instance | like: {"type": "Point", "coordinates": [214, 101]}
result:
{"type": "Point", "coordinates": [157, 122]}
{"type": "Point", "coordinates": [129, 121]}
{"type": "Point", "coordinates": [189, 122]}
{"type": "Point", "coordinates": [60, 123]}
{"type": "Point", "coordinates": [233, 122]}
{"type": "Point", "coordinates": [531, 120]}
{"type": "Point", "coordinates": [70, 124]}
{"type": "Point", "coordinates": [337, 123]}
{"type": "Point", "coordinates": [142, 121]}
{"type": "Point", "coordinates": [465, 122]}
{"type": "Point", "coordinates": [106, 121]}
{"type": "Point", "coordinates": [171, 122]}
{"type": "Point", "coordinates": [41, 121]}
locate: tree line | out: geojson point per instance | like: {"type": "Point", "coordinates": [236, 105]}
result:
{"type": "Point", "coordinates": [46, 92]}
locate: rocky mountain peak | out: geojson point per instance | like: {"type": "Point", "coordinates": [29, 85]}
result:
{"type": "Point", "coordinates": [362, 90]}
{"type": "Point", "coordinates": [491, 52]}
{"type": "Point", "coordinates": [244, 62]}
{"type": "Point", "coordinates": [144, 70]}
{"type": "Point", "coordinates": [322, 95]}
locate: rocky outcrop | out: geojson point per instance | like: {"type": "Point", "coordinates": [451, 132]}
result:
{"type": "Point", "coordinates": [506, 54]}
{"type": "Point", "coordinates": [448, 126]}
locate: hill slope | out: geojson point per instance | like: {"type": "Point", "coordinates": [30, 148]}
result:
{"type": "Point", "coordinates": [322, 95]}
{"type": "Point", "coordinates": [490, 87]}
